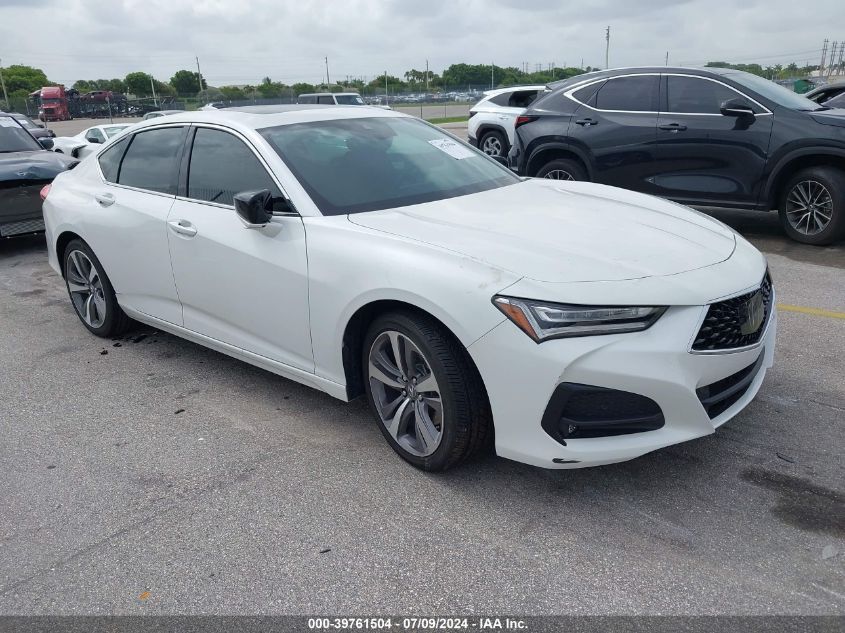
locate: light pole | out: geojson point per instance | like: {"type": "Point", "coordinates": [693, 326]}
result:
{"type": "Point", "coordinates": [607, 50]}
{"type": "Point", "coordinates": [152, 85]}
{"type": "Point", "coordinates": [3, 83]}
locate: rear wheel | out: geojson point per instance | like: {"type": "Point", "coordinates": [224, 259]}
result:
{"type": "Point", "coordinates": [427, 397]}
{"type": "Point", "coordinates": [493, 144]}
{"type": "Point", "coordinates": [812, 208]}
{"type": "Point", "coordinates": [562, 169]}
{"type": "Point", "coordinates": [91, 292]}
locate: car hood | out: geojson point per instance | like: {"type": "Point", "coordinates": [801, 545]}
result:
{"type": "Point", "coordinates": [564, 232]}
{"type": "Point", "coordinates": [35, 165]}
{"type": "Point", "coordinates": [834, 116]}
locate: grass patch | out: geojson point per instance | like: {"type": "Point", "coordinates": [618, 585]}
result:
{"type": "Point", "coordinates": [449, 119]}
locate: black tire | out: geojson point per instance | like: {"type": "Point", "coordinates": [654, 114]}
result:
{"type": "Point", "coordinates": [115, 321]}
{"type": "Point", "coordinates": [564, 165]}
{"type": "Point", "coordinates": [833, 180]}
{"type": "Point", "coordinates": [466, 422]}
{"type": "Point", "coordinates": [494, 143]}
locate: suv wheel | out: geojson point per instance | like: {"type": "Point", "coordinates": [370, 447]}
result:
{"type": "Point", "coordinates": [562, 169]}
{"type": "Point", "coordinates": [812, 209]}
{"type": "Point", "coordinates": [493, 144]}
{"type": "Point", "coordinates": [428, 399]}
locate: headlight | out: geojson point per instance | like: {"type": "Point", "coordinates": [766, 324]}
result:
{"type": "Point", "coordinates": [543, 321]}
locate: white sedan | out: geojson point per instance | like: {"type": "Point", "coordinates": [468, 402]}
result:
{"type": "Point", "coordinates": [87, 141]}
{"type": "Point", "coordinates": [366, 252]}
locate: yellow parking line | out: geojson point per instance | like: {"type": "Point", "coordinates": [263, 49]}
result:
{"type": "Point", "coordinates": [830, 314]}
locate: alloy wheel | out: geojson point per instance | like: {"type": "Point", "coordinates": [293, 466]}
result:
{"type": "Point", "coordinates": [492, 146]}
{"type": "Point", "coordinates": [809, 207]}
{"type": "Point", "coordinates": [86, 289]}
{"type": "Point", "coordinates": [559, 174]}
{"type": "Point", "coordinates": [405, 392]}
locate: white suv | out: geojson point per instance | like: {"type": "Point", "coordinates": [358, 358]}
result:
{"type": "Point", "coordinates": [491, 120]}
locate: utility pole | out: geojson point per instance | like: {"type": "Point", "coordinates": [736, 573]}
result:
{"type": "Point", "coordinates": [386, 98]}
{"type": "Point", "coordinates": [199, 74]}
{"type": "Point", "coordinates": [667, 58]}
{"type": "Point", "coordinates": [426, 76]}
{"type": "Point", "coordinates": [3, 84]}
{"type": "Point", "coordinates": [328, 81]}
{"type": "Point", "coordinates": [607, 49]}
{"type": "Point", "coordinates": [152, 85]}
{"type": "Point", "coordinates": [492, 75]}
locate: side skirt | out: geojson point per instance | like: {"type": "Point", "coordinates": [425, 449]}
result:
{"type": "Point", "coordinates": [286, 371]}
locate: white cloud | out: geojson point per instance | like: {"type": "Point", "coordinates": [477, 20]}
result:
{"type": "Point", "coordinates": [241, 41]}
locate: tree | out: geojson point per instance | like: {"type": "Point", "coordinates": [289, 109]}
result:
{"type": "Point", "coordinates": [233, 93]}
{"type": "Point", "coordinates": [26, 78]}
{"type": "Point", "coordinates": [138, 84]}
{"type": "Point", "coordinates": [187, 83]}
{"type": "Point", "coordinates": [302, 88]}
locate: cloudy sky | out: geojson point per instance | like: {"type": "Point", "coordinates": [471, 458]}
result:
{"type": "Point", "coordinates": [241, 41]}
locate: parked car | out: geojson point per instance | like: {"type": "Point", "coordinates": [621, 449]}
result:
{"type": "Point", "coordinates": [703, 137]}
{"type": "Point", "coordinates": [217, 105]}
{"type": "Point", "coordinates": [25, 167]}
{"type": "Point", "coordinates": [158, 113]}
{"type": "Point", "coordinates": [366, 252]}
{"type": "Point", "coordinates": [491, 120]}
{"type": "Point", "coordinates": [36, 129]}
{"type": "Point", "coordinates": [84, 143]}
{"type": "Point", "coordinates": [331, 98]}
{"type": "Point", "coordinates": [826, 93]}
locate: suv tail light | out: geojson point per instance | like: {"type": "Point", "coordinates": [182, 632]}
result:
{"type": "Point", "coordinates": [523, 119]}
{"type": "Point", "coordinates": [44, 191]}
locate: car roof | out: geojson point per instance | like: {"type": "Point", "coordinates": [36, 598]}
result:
{"type": "Point", "coordinates": [498, 91]}
{"type": "Point", "coordinates": [336, 94]}
{"type": "Point", "coordinates": [257, 117]}
{"type": "Point", "coordinates": [702, 71]}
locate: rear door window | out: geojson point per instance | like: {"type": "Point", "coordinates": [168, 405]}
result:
{"type": "Point", "coordinates": [110, 160]}
{"type": "Point", "coordinates": [152, 160]}
{"type": "Point", "coordinates": [629, 94]}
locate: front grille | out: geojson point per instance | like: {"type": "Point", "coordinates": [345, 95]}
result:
{"type": "Point", "coordinates": [720, 396]}
{"type": "Point", "coordinates": [578, 411]}
{"type": "Point", "coordinates": [722, 328]}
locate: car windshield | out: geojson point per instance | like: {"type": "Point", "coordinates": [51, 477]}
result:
{"type": "Point", "coordinates": [349, 100]}
{"type": "Point", "coordinates": [114, 130]}
{"type": "Point", "coordinates": [358, 165]}
{"type": "Point", "coordinates": [777, 93]}
{"type": "Point", "coordinates": [13, 138]}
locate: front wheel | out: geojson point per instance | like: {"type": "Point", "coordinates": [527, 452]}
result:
{"type": "Point", "coordinates": [562, 169]}
{"type": "Point", "coordinates": [427, 397]}
{"type": "Point", "coordinates": [91, 292]}
{"type": "Point", "coordinates": [812, 207]}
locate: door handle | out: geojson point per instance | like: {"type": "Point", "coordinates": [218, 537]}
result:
{"type": "Point", "coordinates": [105, 199]}
{"type": "Point", "coordinates": [673, 127]}
{"type": "Point", "coordinates": [183, 227]}
{"type": "Point", "coordinates": [586, 122]}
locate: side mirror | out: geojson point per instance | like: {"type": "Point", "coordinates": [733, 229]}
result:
{"type": "Point", "coordinates": [737, 108]}
{"type": "Point", "coordinates": [254, 208]}
{"type": "Point", "coordinates": [46, 143]}
{"type": "Point", "coordinates": [92, 139]}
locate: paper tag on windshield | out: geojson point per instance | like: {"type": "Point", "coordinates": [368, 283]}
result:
{"type": "Point", "coordinates": [455, 150]}
{"type": "Point", "coordinates": [6, 121]}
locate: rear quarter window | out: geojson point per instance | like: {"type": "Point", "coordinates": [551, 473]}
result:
{"type": "Point", "coordinates": [110, 160]}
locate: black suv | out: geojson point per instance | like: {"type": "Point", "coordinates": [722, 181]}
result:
{"type": "Point", "coordinates": [704, 137]}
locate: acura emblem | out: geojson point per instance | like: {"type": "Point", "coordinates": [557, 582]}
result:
{"type": "Point", "coordinates": [752, 314]}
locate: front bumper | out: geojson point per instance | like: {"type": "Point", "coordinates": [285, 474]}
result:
{"type": "Point", "coordinates": [521, 377]}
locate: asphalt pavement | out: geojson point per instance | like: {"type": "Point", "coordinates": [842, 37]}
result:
{"type": "Point", "coordinates": [148, 475]}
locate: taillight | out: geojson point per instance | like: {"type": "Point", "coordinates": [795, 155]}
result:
{"type": "Point", "coordinates": [44, 191]}
{"type": "Point", "coordinates": [523, 119]}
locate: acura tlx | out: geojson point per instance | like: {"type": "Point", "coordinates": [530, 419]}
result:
{"type": "Point", "coordinates": [367, 253]}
